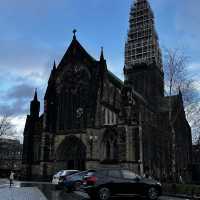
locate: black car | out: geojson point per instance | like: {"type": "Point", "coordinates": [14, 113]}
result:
{"type": "Point", "coordinates": [60, 176]}
{"type": "Point", "coordinates": [74, 181]}
{"type": "Point", "coordinates": [105, 183]}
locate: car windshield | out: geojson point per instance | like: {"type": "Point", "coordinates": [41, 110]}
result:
{"type": "Point", "coordinates": [65, 172]}
{"type": "Point", "coordinates": [129, 175]}
{"type": "Point", "coordinates": [82, 173]}
{"type": "Point", "coordinates": [59, 173]}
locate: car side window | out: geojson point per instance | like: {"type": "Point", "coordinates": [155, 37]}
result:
{"type": "Point", "coordinates": [102, 173]}
{"type": "Point", "coordinates": [70, 172]}
{"type": "Point", "coordinates": [115, 173]}
{"type": "Point", "coordinates": [129, 175]}
{"type": "Point", "coordinates": [90, 174]}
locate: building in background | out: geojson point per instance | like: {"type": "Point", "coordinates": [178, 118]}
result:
{"type": "Point", "coordinates": [196, 163]}
{"type": "Point", "coordinates": [10, 157]}
{"type": "Point", "coordinates": [93, 119]}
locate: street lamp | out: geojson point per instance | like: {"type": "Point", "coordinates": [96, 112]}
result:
{"type": "Point", "coordinates": [92, 139]}
{"type": "Point", "coordinates": [79, 112]}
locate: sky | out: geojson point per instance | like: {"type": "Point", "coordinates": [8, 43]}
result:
{"type": "Point", "coordinates": [34, 33]}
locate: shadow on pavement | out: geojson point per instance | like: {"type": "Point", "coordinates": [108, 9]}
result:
{"type": "Point", "coordinates": [52, 194]}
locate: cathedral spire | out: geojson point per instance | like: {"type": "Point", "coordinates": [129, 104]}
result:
{"type": "Point", "coordinates": [142, 44]}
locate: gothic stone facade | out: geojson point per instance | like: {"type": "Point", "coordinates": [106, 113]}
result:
{"type": "Point", "coordinates": [93, 119]}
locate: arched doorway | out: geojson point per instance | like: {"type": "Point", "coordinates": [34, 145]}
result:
{"type": "Point", "coordinates": [71, 154]}
{"type": "Point", "coordinates": [110, 145]}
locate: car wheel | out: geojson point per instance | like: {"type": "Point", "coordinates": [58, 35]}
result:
{"type": "Point", "coordinates": [103, 193]}
{"type": "Point", "coordinates": [152, 193]}
{"type": "Point", "coordinates": [77, 185]}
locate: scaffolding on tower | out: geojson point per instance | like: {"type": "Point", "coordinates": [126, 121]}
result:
{"type": "Point", "coordinates": [142, 45]}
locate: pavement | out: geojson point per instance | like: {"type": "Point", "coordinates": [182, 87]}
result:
{"type": "Point", "coordinates": [46, 191]}
{"type": "Point", "coordinates": [36, 191]}
{"type": "Point", "coordinates": [24, 193]}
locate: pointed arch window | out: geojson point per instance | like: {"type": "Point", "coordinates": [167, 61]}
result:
{"type": "Point", "coordinates": [108, 150]}
{"type": "Point", "coordinates": [115, 150]}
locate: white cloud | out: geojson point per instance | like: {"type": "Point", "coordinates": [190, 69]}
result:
{"type": "Point", "coordinates": [194, 66]}
{"type": "Point", "coordinates": [19, 123]}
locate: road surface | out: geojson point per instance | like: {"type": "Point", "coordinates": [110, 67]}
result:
{"type": "Point", "coordinates": [46, 191]}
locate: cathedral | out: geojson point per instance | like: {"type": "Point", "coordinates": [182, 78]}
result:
{"type": "Point", "coordinates": [93, 119]}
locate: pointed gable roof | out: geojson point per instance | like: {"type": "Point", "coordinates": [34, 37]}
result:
{"type": "Point", "coordinates": [75, 52]}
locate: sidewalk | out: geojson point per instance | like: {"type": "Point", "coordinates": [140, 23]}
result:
{"type": "Point", "coordinates": [23, 193]}
{"type": "Point", "coordinates": [22, 190]}
{"type": "Point", "coordinates": [5, 183]}
{"type": "Point", "coordinates": [184, 196]}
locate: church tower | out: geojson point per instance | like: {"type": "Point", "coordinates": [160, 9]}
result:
{"type": "Point", "coordinates": [143, 60]}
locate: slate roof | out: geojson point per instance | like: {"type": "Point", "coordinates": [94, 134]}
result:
{"type": "Point", "coordinates": [115, 80]}
{"type": "Point", "coordinates": [74, 52]}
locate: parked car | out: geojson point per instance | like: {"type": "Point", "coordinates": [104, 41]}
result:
{"type": "Point", "coordinates": [102, 184]}
{"type": "Point", "coordinates": [59, 177]}
{"type": "Point", "coordinates": [74, 181]}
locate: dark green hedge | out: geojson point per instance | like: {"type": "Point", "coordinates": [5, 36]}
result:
{"type": "Point", "coordinates": [181, 189]}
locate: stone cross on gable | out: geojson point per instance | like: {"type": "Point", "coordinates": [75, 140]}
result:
{"type": "Point", "coordinates": [74, 32]}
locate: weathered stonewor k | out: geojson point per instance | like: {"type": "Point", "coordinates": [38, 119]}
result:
{"type": "Point", "coordinates": [93, 119]}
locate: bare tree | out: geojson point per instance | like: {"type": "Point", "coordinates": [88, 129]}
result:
{"type": "Point", "coordinates": [178, 79]}
{"type": "Point", "coordinates": [5, 126]}
{"type": "Point", "coordinates": [177, 76]}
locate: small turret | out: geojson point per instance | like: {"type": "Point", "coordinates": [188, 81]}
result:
{"type": "Point", "coordinates": [180, 95]}
{"type": "Point", "coordinates": [102, 69]}
{"type": "Point", "coordinates": [102, 60]}
{"type": "Point", "coordinates": [51, 77]}
{"type": "Point", "coordinates": [179, 92]}
{"type": "Point", "coordinates": [35, 106]}
{"type": "Point", "coordinates": [102, 56]}
{"type": "Point", "coordinates": [54, 66]}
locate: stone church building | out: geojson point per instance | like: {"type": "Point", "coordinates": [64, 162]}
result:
{"type": "Point", "coordinates": [93, 119]}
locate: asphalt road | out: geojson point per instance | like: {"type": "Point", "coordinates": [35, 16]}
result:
{"type": "Point", "coordinates": [46, 191]}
